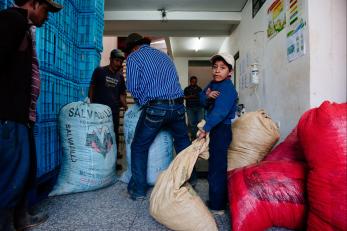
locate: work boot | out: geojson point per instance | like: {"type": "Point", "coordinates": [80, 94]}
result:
{"type": "Point", "coordinates": [6, 220]}
{"type": "Point", "coordinates": [25, 220]}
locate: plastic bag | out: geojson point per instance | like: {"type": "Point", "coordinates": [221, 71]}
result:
{"type": "Point", "coordinates": [89, 148]}
{"type": "Point", "coordinates": [267, 194]}
{"type": "Point", "coordinates": [323, 135]}
{"type": "Point", "coordinates": [160, 153]}
{"type": "Point", "coordinates": [289, 149]}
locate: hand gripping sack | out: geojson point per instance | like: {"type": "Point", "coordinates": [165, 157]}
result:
{"type": "Point", "coordinates": [290, 149]}
{"type": "Point", "coordinates": [323, 135]}
{"type": "Point", "coordinates": [254, 135]}
{"type": "Point", "coordinates": [173, 201]}
{"type": "Point", "coordinates": [268, 194]}
{"type": "Point", "coordinates": [160, 153]}
{"type": "Point", "coordinates": [89, 148]}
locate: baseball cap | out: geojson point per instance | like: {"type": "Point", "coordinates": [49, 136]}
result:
{"type": "Point", "coordinates": [117, 53]}
{"type": "Point", "coordinates": [228, 58]}
{"type": "Point", "coordinates": [134, 39]}
{"type": "Point", "coordinates": [53, 6]}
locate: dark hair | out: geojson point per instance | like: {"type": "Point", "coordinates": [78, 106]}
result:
{"type": "Point", "coordinates": [219, 58]}
{"type": "Point", "coordinates": [193, 77]}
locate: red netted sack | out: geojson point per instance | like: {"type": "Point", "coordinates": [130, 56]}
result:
{"type": "Point", "coordinates": [322, 134]}
{"type": "Point", "coordinates": [289, 149]}
{"type": "Point", "coordinates": [267, 194]}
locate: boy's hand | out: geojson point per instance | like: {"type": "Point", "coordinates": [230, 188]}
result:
{"type": "Point", "coordinates": [201, 134]}
{"type": "Point", "coordinates": [213, 94]}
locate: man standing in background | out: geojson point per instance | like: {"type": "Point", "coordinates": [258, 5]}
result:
{"type": "Point", "coordinates": [108, 87]}
{"type": "Point", "coordinates": [19, 91]}
{"type": "Point", "coordinates": [153, 81]}
{"type": "Point", "coordinates": [194, 109]}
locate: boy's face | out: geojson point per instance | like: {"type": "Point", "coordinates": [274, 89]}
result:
{"type": "Point", "coordinates": [220, 71]}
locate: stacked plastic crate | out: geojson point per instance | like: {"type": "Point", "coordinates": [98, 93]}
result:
{"type": "Point", "coordinates": [5, 4]}
{"type": "Point", "coordinates": [68, 47]}
{"type": "Point", "coordinates": [89, 37]}
{"type": "Point", "coordinates": [56, 47]}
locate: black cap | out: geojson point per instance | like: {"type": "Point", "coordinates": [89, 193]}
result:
{"type": "Point", "coordinates": [117, 53]}
{"type": "Point", "coordinates": [53, 6]}
{"type": "Point", "coordinates": [135, 39]}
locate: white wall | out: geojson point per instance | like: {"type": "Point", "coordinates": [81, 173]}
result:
{"type": "Point", "coordinates": [182, 70]}
{"type": "Point", "coordinates": [204, 75]}
{"type": "Point", "coordinates": [284, 87]}
{"type": "Point", "coordinates": [327, 28]}
{"type": "Point", "coordinates": [109, 44]}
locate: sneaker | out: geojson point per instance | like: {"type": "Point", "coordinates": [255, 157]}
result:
{"type": "Point", "coordinates": [218, 212]}
{"type": "Point", "coordinates": [29, 221]}
{"type": "Point", "coordinates": [136, 197]}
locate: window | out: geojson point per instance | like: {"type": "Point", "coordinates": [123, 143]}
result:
{"type": "Point", "coordinates": [256, 5]}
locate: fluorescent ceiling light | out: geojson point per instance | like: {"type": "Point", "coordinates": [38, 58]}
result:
{"type": "Point", "coordinates": [197, 46]}
{"type": "Point", "coordinates": [158, 42]}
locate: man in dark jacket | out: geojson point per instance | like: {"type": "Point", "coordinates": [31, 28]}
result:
{"type": "Point", "coordinates": [19, 90]}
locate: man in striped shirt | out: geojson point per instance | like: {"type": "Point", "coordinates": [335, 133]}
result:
{"type": "Point", "coordinates": [153, 81]}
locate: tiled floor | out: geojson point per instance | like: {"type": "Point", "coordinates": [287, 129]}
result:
{"type": "Point", "coordinates": [107, 209]}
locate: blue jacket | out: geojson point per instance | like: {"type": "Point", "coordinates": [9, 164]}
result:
{"type": "Point", "coordinates": [223, 108]}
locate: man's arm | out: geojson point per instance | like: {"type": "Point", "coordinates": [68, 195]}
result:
{"type": "Point", "coordinates": [92, 86]}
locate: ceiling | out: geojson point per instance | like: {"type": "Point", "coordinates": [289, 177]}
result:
{"type": "Point", "coordinates": [183, 21]}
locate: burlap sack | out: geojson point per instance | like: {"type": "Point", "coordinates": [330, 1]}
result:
{"type": "Point", "coordinates": [173, 202]}
{"type": "Point", "coordinates": [254, 135]}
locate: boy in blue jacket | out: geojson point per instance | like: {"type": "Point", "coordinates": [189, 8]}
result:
{"type": "Point", "coordinates": [219, 98]}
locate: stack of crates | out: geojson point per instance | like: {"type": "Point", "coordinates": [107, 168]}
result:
{"type": "Point", "coordinates": [68, 48]}
{"type": "Point", "coordinates": [90, 33]}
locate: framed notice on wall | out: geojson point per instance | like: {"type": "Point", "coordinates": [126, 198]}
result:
{"type": "Point", "coordinates": [295, 29]}
{"type": "Point", "coordinates": [276, 18]}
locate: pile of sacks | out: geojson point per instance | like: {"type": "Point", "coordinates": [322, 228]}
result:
{"type": "Point", "coordinates": [303, 177]}
{"type": "Point", "coordinates": [301, 184]}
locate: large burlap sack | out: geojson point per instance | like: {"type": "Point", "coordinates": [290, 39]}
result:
{"type": "Point", "coordinates": [271, 193]}
{"type": "Point", "coordinates": [254, 135]}
{"type": "Point", "coordinates": [323, 135]}
{"type": "Point", "coordinates": [160, 153]}
{"type": "Point", "coordinates": [89, 148]}
{"type": "Point", "coordinates": [174, 202]}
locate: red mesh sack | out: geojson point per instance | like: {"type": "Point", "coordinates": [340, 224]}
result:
{"type": "Point", "coordinates": [322, 134]}
{"type": "Point", "coordinates": [289, 149]}
{"type": "Point", "coordinates": [267, 194]}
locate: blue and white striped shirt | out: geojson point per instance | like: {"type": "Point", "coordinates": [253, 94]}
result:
{"type": "Point", "coordinates": [151, 74]}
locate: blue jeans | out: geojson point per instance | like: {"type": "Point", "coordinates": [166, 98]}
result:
{"type": "Point", "coordinates": [152, 119]}
{"type": "Point", "coordinates": [220, 138]}
{"type": "Point", "coordinates": [15, 162]}
{"type": "Point", "coordinates": [194, 114]}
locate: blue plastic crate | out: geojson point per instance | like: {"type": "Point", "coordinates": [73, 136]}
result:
{"type": "Point", "coordinates": [56, 92]}
{"type": "Point", "coordinates": [90, 5]}
{"type": "Point", "coordinates": [69, 21]}
{"type": "Point", "coordinates": [2, 5]}
{"type": "Point", "coordinates": [90, 31]}
{"type": "Point", "coordinates": [48, 149]}
{"type": "Point", "coordinates": [88, 60]}
{"type": "Point", "coordinates": [9, 4]}
{"type": "Point", "coordinates": [46, 46]}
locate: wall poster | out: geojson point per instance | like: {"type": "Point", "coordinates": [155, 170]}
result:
{"type": "Point", "coordinates": [295, 32]}
{"type": "Point", "coordinates": [276, 18]}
